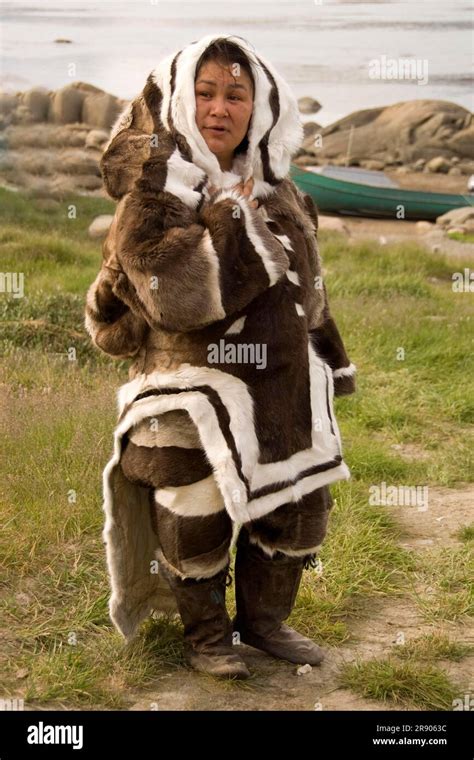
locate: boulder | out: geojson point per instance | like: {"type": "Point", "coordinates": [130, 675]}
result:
{"type": "Point", "coordinates": [100, 226]}
{"type": "Point", "coordinates": [423, 227]}
{"type": "Point", "coordinates": [438, 164]}
{"type": "Point", "coordinates": [37, 101]}
{"type": "Point", "coordinates": [333, 223]}
{"type": "Point", "coordinates": [403, 133]}
{"type": "Point", "coordinates": [459, 217]}
{"type": "Point", "coordinates": [8, 103]}
{"type": "Point", "coordinates": [100, 110]}
{"type": "Point", "coordinates": [66, 105]}
{"type": "Point", "coordinates": [376, 166]}
{"type": "Point", "coordinates": [305, 161]}
{"type": "Point", "coordinates": [311, 128]}
{"type": "Point", "coordinates": [308, 105]}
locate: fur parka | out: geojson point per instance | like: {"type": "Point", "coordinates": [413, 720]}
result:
{"type": "Point", "coordinates": [222, 308]}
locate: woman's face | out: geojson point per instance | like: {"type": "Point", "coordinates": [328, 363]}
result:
{"type": "Point", "coordinates": [224, 104]}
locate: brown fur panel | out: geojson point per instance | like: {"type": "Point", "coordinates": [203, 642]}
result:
{"type": "Point", "coordinates": [112, 326]}
{"type": "Point", "coordinates": [201, 541]}
{"type": "Point", "coordinates": [160, 467]}
{"type": "Point", "coordinates": [121, 165]}
{"type": "Point", "coordinates": [294, 526]}
{"type": "Point", "coordinates": [121, 339]}
{"type": "Point", "coordinates": [345, 385]}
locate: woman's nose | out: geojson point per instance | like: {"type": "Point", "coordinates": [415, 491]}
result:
{"type": "Point", "coordinates": [218, 107]}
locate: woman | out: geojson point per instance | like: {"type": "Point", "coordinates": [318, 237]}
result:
{"type": "Point", "coordinates": [212, 282]}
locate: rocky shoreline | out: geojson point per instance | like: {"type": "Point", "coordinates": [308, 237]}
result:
{"type": "Point", "coordinates": [52, 141]}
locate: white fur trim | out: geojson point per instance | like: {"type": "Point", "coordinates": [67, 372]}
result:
{"type": "Point", "coordinates": [181, 177]}
{"type": "Point", "coordinates": [271, 550]}
{"type": "Point", "coordinates": [199, 499]}
{"type": "Point", "coordinates": [345, 371]}
{"type": "Point", "coordinates": [293, 276]}
{"type": "Point", "coordinates": [237, 326]}
{"type": "Point", "coordinates": [285, 241]}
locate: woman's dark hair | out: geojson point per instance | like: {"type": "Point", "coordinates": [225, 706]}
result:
{"type": "Point", "coordinates": [227, 53]}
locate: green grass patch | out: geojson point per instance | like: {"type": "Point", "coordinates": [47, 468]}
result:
{"type": "Point", "coordinates": [433, 646]}
{"type": "Point", "coordinates": [466, 533]}
{"type": "Point", "coordinates": [446, 577]}
{"type": "Point", "coordinates": [406, 684]}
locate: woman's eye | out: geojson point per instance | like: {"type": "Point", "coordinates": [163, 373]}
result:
{"type": "Point", "coordinates": [234, 97]}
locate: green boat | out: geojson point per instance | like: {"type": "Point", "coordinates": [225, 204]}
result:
{"type": "Point", "coordinates": [359, 192]}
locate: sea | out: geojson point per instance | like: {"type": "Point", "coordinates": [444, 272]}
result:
{"type": "Point", "coordinates": [346, 55]}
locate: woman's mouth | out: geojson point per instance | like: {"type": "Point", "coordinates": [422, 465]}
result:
{"type": "Point", "coordinates": [217, 130]}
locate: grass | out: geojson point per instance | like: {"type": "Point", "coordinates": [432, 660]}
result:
{"type": "Point", "coordinates": [463, 237]}
{"type": "Point", "coordinates": [406, 684]}
{"type": "Point", "coordinates": [59, 645]}
{"type": "Point", "coordinates": [446, 576]}
{"type": "Point", "coordinates": [466, 533]}
{"type": "Point", "coordinates": [433, 646]}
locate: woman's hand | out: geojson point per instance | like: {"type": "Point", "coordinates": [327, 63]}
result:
{"type": "Point", "coordinates": [244, 188]}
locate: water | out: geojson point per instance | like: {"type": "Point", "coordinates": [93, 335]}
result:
{"type": "Point", "coordinates": [323, 50]}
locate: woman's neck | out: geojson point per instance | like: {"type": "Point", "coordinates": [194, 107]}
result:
{"type": "Point", "coordinates": [225, 162]}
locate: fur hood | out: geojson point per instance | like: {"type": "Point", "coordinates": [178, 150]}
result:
{"type": "Point", "coordinates": [166, 109]}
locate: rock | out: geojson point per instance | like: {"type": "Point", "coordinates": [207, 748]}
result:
{"type": "Point", "coordinates": [459, 217]}
{"type": "Point", "coordinates": [100, 226]}
{"type": "Point", "coordinates": [463, 142]}
{"type": "Point", "coordinates": [467, 167]}
{"type": "Point", "coordinates": [96, 138]}
{"type": "Point", "coordinates": [100, 110]}
{"type": "Point", "coordinates": [66, 105]}
{"type": "Point", "coordinates": [423, 227]}
{"type": "Point", "coordinates": [333, 223]}
{"type": "Point", "coordinates": [455, 170]}
{"type": "Point", "coordinates": [308, 105]}
{"type": "Point", "coordinates": [21, 115]}
{"type": "Point", "coordinates": [8, 103]}
{"type": "Point", "coordinates": [303, 669]}
{"type": "Point", "coordinates": [419, 165]}
{"type": "Point", "coordinates": [438, 164]}
{"type": "Point", "coordinates": [376, 166]}
{"type": "Point", "coordinates": [305, 160]}
{"type": "Point", "coordinates": [310, 128]}
{"type": "Point", "coordinates": [404, 132]}
{"type": "Point", "coordinates": [313, 143]}
{"type": "Point", "coordinates": [37, 101]}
